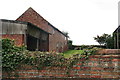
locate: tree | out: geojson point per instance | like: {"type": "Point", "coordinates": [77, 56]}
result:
{"type": "Point", "coordinates": [70, 44]}
{"type": "Point", "coordinates": [106, 40]}
{"type": "Point", "coordinates": [110, 42]}
{"type": "Point", "coordinates": [101, 39]}
{"type": "Point", "coordinates": [65, 33]}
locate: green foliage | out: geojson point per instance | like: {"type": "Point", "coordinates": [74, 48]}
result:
{"type": "Point", "coordinates": [11, 55]}
{"type": "Point", "coordinates": [101, 39]}
{"type": "Point", "coordinates": [43, 59]}
{"type": "Point", "coordinates": [70, 44]}
{"type": "Point", "coordinates": [83, 47]}
{"type": "Point", "coordinates": [9, 47]}
{"type": "Point", "coordinates": [106, 40]}
{"type": "Point", "coordinates": [90, 51]}
{"type": "Point", "coordinates": [110, 42]}
{"type": "Point", "coordinates": [14, 57]}
{"type": "Point", "coordinates": [70, 53]}
{"type": "Point", "coordinates": [73, 60]}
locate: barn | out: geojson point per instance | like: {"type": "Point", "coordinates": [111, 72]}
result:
{"type": "Point", "coordinates": [32, 30]}
{"type": "Point", "coordinates": [57, 40]}
{"type": "Point", "coordinates": [116, 35]}
{"type": "Point", "coordinates": [25, 33]}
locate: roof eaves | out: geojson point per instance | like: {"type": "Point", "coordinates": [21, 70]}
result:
{"type": "Point", "coordinates": [14, 21]}
{"type": "Point", "coordinates": [117, 29]}
{"type": "Point", "coordinates": [56, 28]}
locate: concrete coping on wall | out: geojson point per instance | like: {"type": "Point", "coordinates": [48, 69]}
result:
{"type": "Point", "coordinates": [108, 51]}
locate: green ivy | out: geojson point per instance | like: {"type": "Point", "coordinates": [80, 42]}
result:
{"type": "Point", "coordinates": [13, 57]}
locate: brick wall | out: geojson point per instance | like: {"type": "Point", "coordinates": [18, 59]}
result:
{"type": "Point", "coordinates": [55, 38]}
{"type": "Point", "coordinates": [19, 38]}
{"type": "Point", "coordinates": [105, 64]}
{"type": "Point", "coordinates": [57, 42]}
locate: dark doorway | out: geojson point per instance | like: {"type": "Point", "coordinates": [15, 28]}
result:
{"type": "Point", "coordinates": [37, 44]}
{"type": "Point", "coordinates": [31, 43]}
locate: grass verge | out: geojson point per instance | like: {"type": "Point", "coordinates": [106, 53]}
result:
{"type": "Point", "coordinates": [70, 53]}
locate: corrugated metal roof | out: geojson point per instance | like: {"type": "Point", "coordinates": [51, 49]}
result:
{"type": "Point", "coordinates": [22, 22]}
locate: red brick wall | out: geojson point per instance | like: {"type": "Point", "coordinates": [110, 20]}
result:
{"type": "Point", "coordinates": [19, 38]}
{"type": "Point", "coordinates": [101, 65]}
{"type": "Point", "coordinates": [56, 37]}
{"type": "Point", "coordinates": [57, 42]}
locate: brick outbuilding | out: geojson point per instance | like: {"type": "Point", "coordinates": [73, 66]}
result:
{"type": "Point", "coordinates": [57, 40]}
{"type": "Point", "coordinates": [25, 33]}
{"type": "Point", "coordinates": [35, 32]}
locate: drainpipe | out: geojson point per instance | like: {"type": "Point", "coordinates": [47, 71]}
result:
{"type": "Point", "coordinates": [37, 45]}
{"type": "Point", "coordinates": [117, 39]}
{"type": "Point", "coordinates": [114, 40]}
{"type": "Point", "coordinates": [25, 37]}
{"type": "Point", "coordinates": [0, 48]}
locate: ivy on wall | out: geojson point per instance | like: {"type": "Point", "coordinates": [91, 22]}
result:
{"type": "Point", "coordinates": [13, 57]}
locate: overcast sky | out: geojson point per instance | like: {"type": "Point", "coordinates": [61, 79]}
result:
{"type": "Point", "coordinates": [82, 19]}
